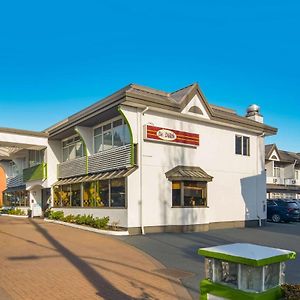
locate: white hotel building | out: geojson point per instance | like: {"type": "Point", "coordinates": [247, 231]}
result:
{"type": "Point", "coordinates": [150, 160]}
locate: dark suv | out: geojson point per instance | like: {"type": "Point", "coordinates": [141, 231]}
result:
{"type": "Point", "coordinates": [282, 210]}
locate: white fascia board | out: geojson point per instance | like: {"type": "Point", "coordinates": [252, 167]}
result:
{"type": "Point", "coordinates": [190, 117]}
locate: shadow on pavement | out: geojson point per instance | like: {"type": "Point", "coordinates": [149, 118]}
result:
{"type": "Point", "coordinates": [104, 288]}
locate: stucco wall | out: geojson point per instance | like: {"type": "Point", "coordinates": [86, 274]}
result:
{"type": "Point", "coordinates": [236, 193]}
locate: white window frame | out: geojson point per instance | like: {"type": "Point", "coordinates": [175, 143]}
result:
{"type": "Point", "coordinates": [68, 138]}
{"type": "Point", "coordinates": [111, 121]}
{"type": "Point", "coordinates": [242, 145]}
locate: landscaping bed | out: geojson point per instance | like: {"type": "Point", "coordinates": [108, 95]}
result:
{"type": "Point", "coordinates": [84, 222]}
{"type": "Point", "coordinates": [14, 212]}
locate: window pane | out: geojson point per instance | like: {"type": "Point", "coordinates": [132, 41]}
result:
{"type": "Point", "coordinates": [176, 195]}
{"type": "Point", "coordinates": [98, 143]}
{"type": "Point", "coordinates": [107, 127]}
{"type": "Point", "coordinates": [118, 136]}
{"type": "Point", "coordinates": [194, 193]}
{"type": "Point", "coordinates": [56, 196]}
{"type": "Point", "coordinates": [118, 192]}
{"type": "Point", "coordinates": [98, 131]}
{"type": "Point", "coordinates": [117, 123]}
{"type": "Point", "coordinates": [76, 138]}
{"type": "Point", "coordinates": [107, 140]}
{"type": "Point", "coordinates": [79, 149]}
{"type": "Point", "coordinates": [65, 154]}
{"type": "Point", "coordinates": [126, 135]}
{"type": "Point", "coordinates": [238, 144]}
{"type": "Point", "coordinates": [104, 193]}
{"type": "Point", "coordinates": [72, 152]}
{"type": "Point", "coordinates": [76, 194]}
{"type": "Point", "coordinates": [65, 195]}
{"type": "Point", "coordinates": [246, 145]}
{"type": "Point", "coordinates": [96, 194]}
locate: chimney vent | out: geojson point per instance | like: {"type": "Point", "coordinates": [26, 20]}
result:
{"type": "Point", "coordinates": [254, 114]}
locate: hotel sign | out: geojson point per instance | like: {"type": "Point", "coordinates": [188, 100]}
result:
{"type": "Point", "coordinates": [161, 134]}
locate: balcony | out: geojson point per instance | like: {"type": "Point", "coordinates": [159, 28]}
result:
{"type": "Point", "coordinates": [38, 172]}
{"type": "Point", "coordinates": [111, 159]}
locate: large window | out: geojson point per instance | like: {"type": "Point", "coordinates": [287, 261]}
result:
{"type": "Point", "coordinates": [16, 198]}
{"type": "Point", "coordinates": [189, 193]}
{"type": "Point", "coordinates": [242, 145]}
{"type": "Point", "coordinates": [72, 148]}
{"type": "Point", "coordinates": [111, 135]}
{"type": "Point", "coordinates": [103, 193]}
{"type": "Point", "coordinates": [36, 157]}
{"type": "Point", "coordinates": [96, 194]}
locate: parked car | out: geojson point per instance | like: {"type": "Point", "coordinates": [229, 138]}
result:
{"type": "Point", "coordinates": [282, 210]}
{"type": "Point", "coordinates": [298, 203]}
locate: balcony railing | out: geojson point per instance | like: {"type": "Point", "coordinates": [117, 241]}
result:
{"type": "Point", "coordinates": [111, 159]}
{"type": "Point", "coordinates": [14, 181]}
{"type": "Point", "coordinates": [38, 172]}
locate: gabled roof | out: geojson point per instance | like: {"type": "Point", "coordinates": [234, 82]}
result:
{"type": "Point", "coordinates": [137, 95]}
{"type": "Point", "coordinates": [188, 173]}
{"type": "Point", "coordinates": [284, 156]}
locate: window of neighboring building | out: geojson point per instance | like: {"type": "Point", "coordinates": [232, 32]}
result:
{"type": "Point", "coordinates": [103, 193]}
{"type": "Point", "coordinates": [36, 157]}
{"type": "Point", "coordinates": [189, 193]}
{"type": "Point", "coordinates": [296, 174]}
{"type": "Point", "coordinates": [111, 135]}
{"type": "Point", "coordinates": [242, 145]}
{"type": "Point", "coordinates": [72, 148]}
{"type": "Point", "coordinates": [276, 172]}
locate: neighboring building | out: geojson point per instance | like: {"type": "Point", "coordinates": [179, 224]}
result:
{"type": "Point", "coordinates": [283, 173]}
{"type": "Point", "coordinates": [150, 160]}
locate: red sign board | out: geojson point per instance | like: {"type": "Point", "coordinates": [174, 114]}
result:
{"type": "Point", "coordinates": [171, 136]}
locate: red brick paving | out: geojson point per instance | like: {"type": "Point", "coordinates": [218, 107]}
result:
{"type": "Point", "coordinates": [41, 260]}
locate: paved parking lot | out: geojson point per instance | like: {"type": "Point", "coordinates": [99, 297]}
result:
{"type": "Point", "coordinates": [179, 250]}
{"type": "Point", "coordinates": [48, 261]}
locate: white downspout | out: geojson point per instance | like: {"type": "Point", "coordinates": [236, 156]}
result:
{"type": "Point", "coordinates": [257, 156]}
{"type": "Point", "coordinates": [141, 167]}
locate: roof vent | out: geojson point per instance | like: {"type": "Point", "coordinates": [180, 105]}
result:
{"type": "Point", "coordinates": [254, 114]}
{"type": "Point", "coordinates": [253, 109]}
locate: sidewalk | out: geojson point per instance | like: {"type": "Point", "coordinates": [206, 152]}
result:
{"type": "Point", "coordinates": [49, 261]}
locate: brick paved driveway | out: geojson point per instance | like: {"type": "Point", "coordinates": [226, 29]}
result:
{"type": "Point", "coordinates": [48, 261]}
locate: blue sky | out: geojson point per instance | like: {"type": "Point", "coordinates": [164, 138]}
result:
{"type": "Point", "coordinates": [58, 57]}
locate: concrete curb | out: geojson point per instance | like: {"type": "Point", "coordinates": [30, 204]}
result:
{"type": "Point", "coordinates": [13, 216]}
{"type": "Point", "coordinates": [91, 229]}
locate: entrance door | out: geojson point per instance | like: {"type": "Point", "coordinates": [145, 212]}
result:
{"type": "Point", "coordinates": [46, 193]}
{"type": "Point", "coordinates": [36, 202]}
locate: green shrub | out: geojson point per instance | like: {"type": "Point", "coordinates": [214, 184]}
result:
{"type": "Point", "coordinates": [69, 219]}
{"type": "Point", "coordinates": [88, 220]}
{"type": "Point", "coordinates": [56, 215]}
{"type": "Point", "coordinates": [101, 222]}
{"type": "Point", "coordinates": [16, 212]}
